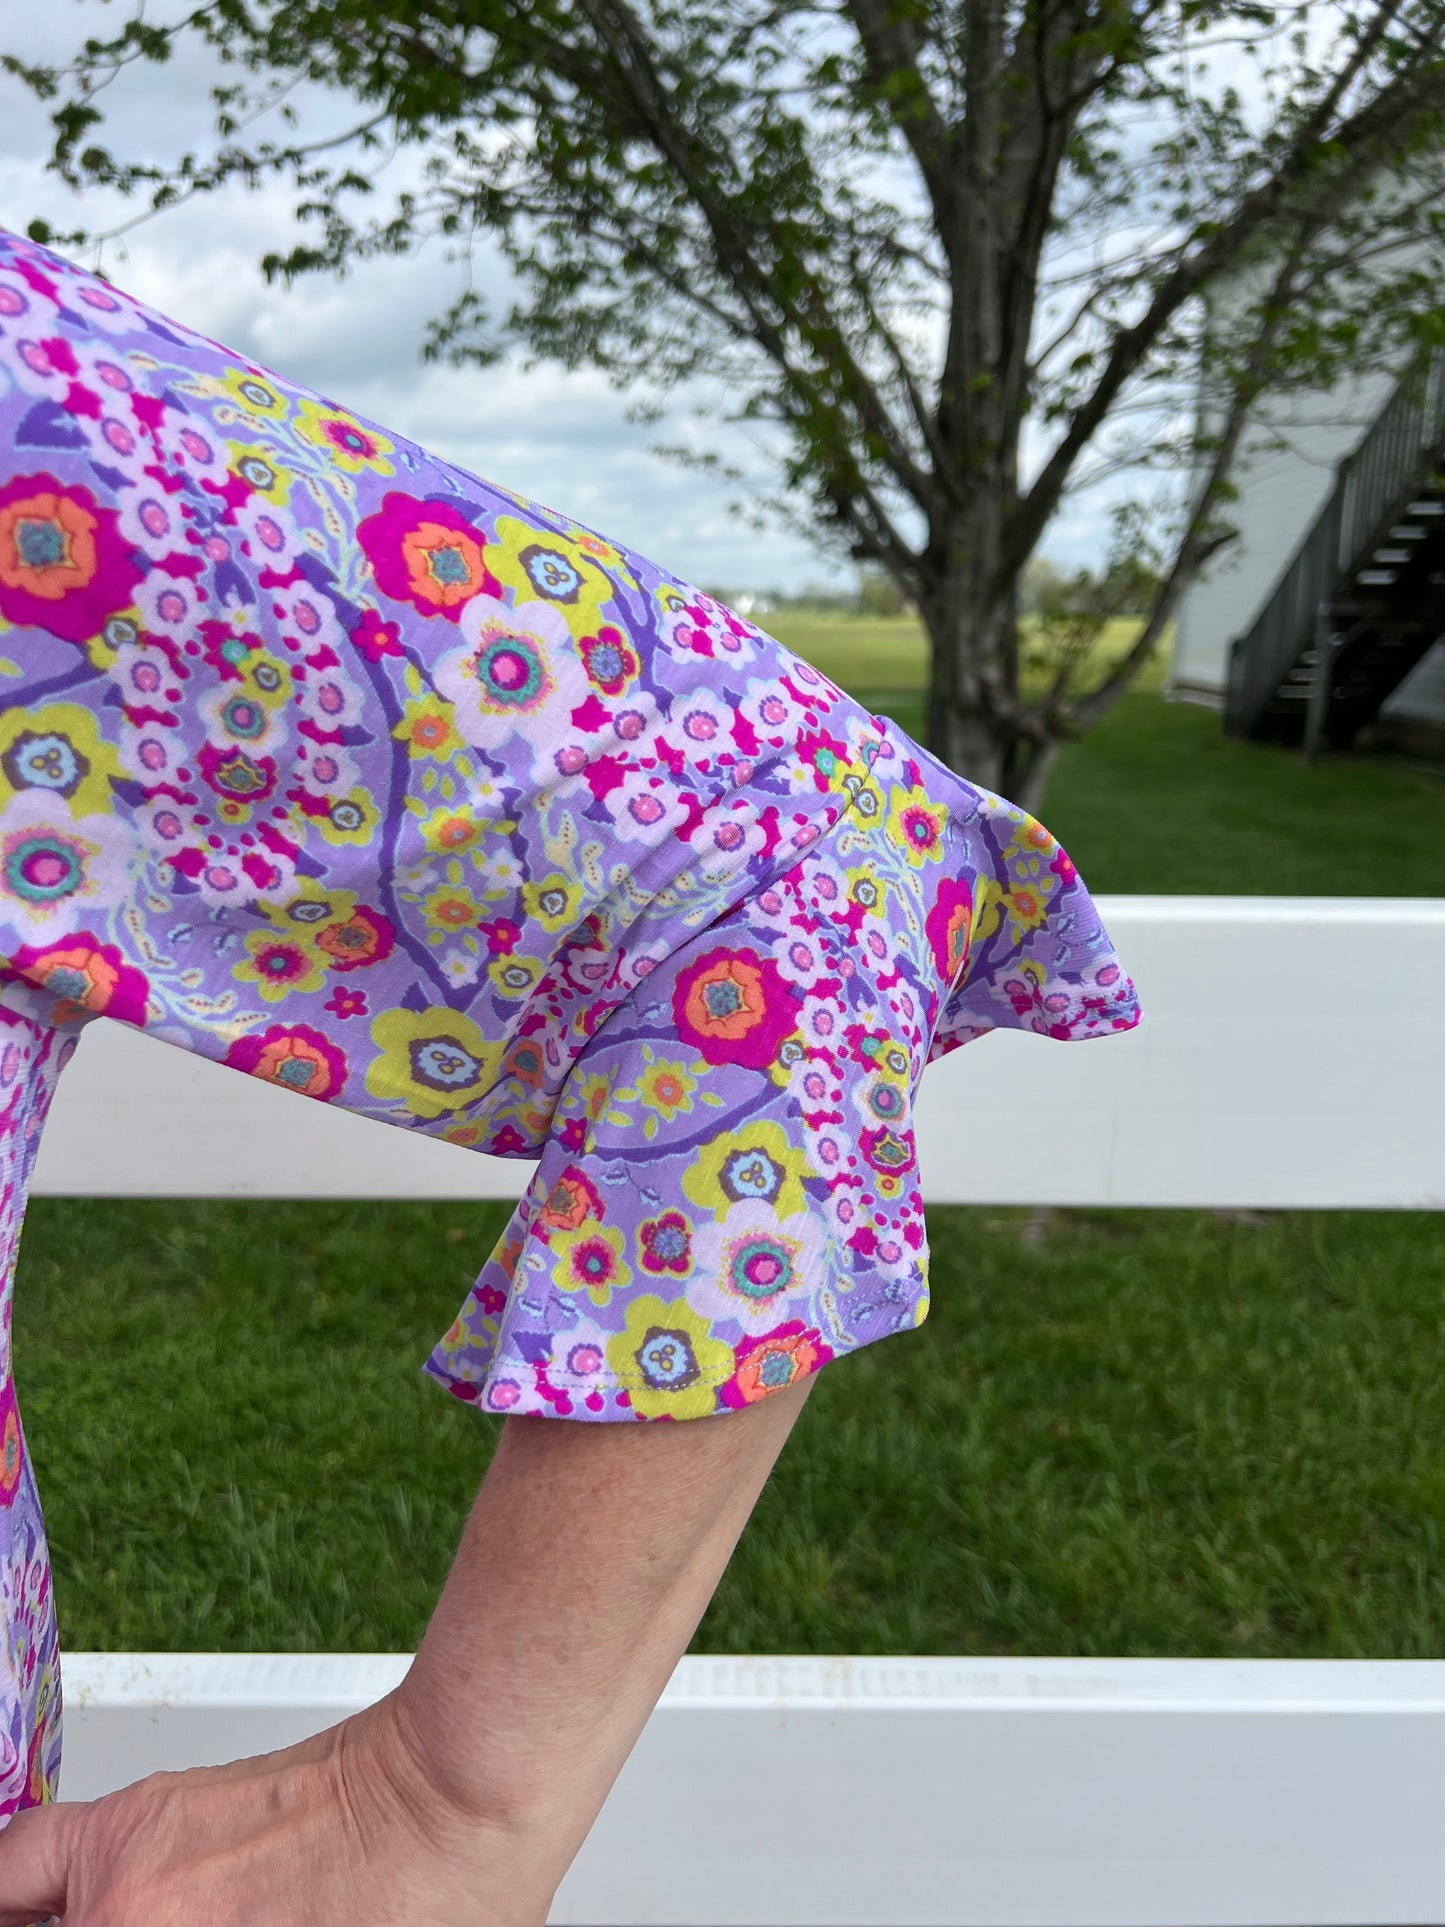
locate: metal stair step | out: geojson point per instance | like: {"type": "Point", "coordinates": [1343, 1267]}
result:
{"type": "Point", "coordinates": [1359, 621]}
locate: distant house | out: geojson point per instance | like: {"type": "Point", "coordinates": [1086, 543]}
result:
{"type": "Point", "coordinates": [1342, 546]}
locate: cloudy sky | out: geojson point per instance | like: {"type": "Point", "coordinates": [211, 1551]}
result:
{"type": "Point", "coordinates": [563, 438]}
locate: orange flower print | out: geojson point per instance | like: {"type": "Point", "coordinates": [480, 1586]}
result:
{"type": "Point", "coordinates": [64, 566]}
{"type": "Point", "coordinates": [571, 1202]}
{"type": "Point", "coordinates": [735, 1007]}
{"type": "Point", "coordinates": [294, 1055]}
{"type": "Point", "coordinates": [427, 554]}
{"type": "Point", "coordinates": [774, 1361]}
{"type": "Point", "coordinates": [365, 937]}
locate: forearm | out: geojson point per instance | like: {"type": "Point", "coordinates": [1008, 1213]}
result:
{"type": "Point", "coordinates": [586, 1563]}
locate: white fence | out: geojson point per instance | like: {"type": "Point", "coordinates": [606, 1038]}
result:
{"type": "Point", "coordinates": [1293, 1054]}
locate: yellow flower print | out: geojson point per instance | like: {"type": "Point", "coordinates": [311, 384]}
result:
{"type": "Point", "coordinates": [264, 678]}
{"type": "Point", "coordinates": [885, 1056]}
{"type": "Point", "coordinates": [601, 552]}
{"type": "Point", "coordinates": [451, 909]}
{"type": "Point", "coordinates": [278, 964]}
{"type": "Point", "coordinates": [590, 1259]}
{"type": "Point", "coordinates": [864, 889]}
{"type": "Point", "coordinates": [554, 902]}
{"type": "Point", "coordinates": [259, 469]}
{"type": "Point", "coordinates": [665, 1088]}
{"type": "Point", "coordinates": [540, 566]}
{"type": "Point", "coordinates": [450, 830]}
{"type": "Point", "coordinates": [1027, 905]}
{"type": "Point", "coordinates": [866, 802]}
{"type": "Point", "coordinates": [668, 1360]}
{"type": "Point", "coordinates": [1031, 839]}
{"type": "Point", "coordinates": [255, 395]}
{"type": "Point", "coordinates": [310, 905]}
{"type": "Point", "coordinates": [427, 730]}
{"type": "Point", "coordinates": [670, 599]}
{"type": "Point", "coordinates": [434, 1061]}
{"type": "Point", "coordinates": [987, 911]}
{"type": "Point", "coordinates": [118, 630]}
{"type": "Point", "coordinates": [1033, 972]}
{"type": "Point", "coordinates": [347, 444]}
{"type": "Point", "coordinates": [758, 1163]}
{"type": "Point", "coordinates": [514, 976]}
{"type": "Point", "coordinates": [594, 1094]}
{"type": "Point", "coordinates": [917, 826]}
{"type": "Point", "coordinates": [57, 747]}
{"type": "Point", "coordinates": [352, 818]}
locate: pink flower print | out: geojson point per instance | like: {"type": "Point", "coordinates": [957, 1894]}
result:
{"type": "Point", "coordinates": [374, 638]}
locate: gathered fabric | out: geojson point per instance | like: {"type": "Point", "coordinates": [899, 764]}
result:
{"type": "Point", "coordinates": [371, 779]}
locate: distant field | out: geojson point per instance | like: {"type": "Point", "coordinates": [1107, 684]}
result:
{"type": "Point", "coordinates": [865, 654]}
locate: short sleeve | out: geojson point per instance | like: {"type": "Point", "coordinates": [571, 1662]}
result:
{"type": "Point", "coordinates": [1038, 956]}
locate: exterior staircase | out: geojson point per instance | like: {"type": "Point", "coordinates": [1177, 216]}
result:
{"type": "Point", "coordinates": [1363, 597]}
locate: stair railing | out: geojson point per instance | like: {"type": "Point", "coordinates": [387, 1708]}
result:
{"type": "Point", "coordinates": [1369, 483]}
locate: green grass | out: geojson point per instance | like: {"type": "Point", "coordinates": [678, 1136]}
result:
{"type": "Point", "coordinates": [1117, 1432]}
{"type": "Point", "coordinates": [1158, 799]}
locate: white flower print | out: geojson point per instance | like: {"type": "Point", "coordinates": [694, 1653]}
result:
{"type": "Point", "coordinates": [753, 1266]}
{"type": "Point", "coordinates": [645, 807]}
{"type": "Point", "coordinates": [517, 673]}
{"type": "Point", "coordinates": [57, 869]}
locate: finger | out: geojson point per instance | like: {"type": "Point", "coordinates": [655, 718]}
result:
{"type": "Point", "coordinates": [36, 1845]}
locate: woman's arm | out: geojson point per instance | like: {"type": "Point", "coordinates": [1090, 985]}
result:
{"type": "Point", "coordinates": [589, 1558]}
{"type": "Point", "coordinates": [462, 1797]}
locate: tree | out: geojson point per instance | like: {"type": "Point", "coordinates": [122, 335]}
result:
{"type": "Point", "coordinates": [956, 255]}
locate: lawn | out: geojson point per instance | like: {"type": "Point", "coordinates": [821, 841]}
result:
{"type": "Point", "coordinates": [1118, 1432]}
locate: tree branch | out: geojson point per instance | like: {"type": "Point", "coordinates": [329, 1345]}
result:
{"type": "Point", "coordinates": [1389, 111]}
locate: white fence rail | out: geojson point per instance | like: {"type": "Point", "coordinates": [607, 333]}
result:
{"type": "Point", "coordinates": [1293, 1054]}
{"type": "Point", "coordinates": [920, 1792]}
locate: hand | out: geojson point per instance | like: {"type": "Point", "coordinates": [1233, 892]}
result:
{"type": "Point", "coordinates": [341, 1830]}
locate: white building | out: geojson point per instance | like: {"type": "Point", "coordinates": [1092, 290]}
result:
{"type": "Point", "coordinates": [1292, 471]}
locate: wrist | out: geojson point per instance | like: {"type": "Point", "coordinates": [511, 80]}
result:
{"type": "Point", "coordinates": [398, 1796]}
{"type": "Point", "coordinates": [431, 1753]}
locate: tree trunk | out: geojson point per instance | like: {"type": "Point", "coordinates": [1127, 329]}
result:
{"type": "Point", "coordinates": [963, 729]}
{"type": "Point", "coordinates": [1027, 783]}
{"type": "Point", "coordinates": [972, 646]}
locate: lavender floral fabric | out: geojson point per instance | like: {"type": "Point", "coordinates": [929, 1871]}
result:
{"type": "Point", "coordinates": [372, 779]}
{"type": "Point", "coordinates": [31, 1058]}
